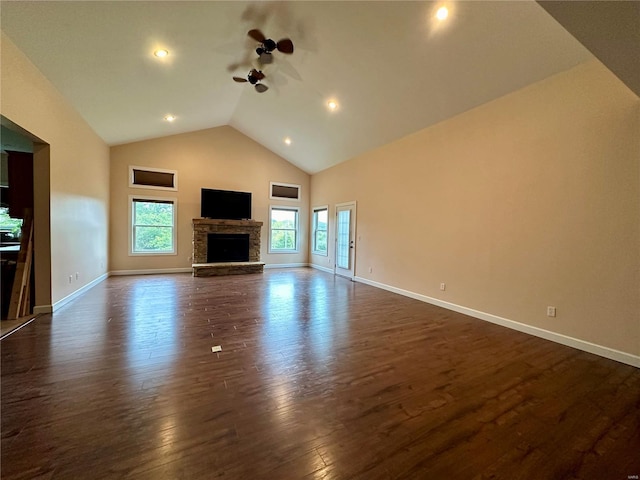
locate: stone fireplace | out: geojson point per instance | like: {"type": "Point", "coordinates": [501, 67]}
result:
{"type": "Point", "coordinates": [226, 247]}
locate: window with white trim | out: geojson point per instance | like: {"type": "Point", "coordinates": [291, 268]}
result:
{"type": "Point", "coordinates": [320, 227]}
{"type": "Point", "coordinates": [283, 230]}
{"type": "Point", "coordinates": [153, 225]}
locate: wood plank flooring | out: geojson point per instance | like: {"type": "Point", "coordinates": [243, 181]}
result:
{"type": "Point", "coordinates": [318, 378]}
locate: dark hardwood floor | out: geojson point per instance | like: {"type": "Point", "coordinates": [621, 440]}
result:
{"type": "Point", "coordinates": [318, 378]}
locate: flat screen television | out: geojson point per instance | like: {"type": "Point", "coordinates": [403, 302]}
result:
{"type": "Point", "coordinates": [225, 204]}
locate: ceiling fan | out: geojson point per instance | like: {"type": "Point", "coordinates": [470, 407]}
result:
{"type": "Point", "coordinates": [267, 46]}
{"type": "Point", "coordinates": [254, 78]}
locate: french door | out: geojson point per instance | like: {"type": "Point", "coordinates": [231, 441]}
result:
{"type": "Point", "coordinates": [345, 239]}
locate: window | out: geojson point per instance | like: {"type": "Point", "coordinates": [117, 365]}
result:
{"type": "Point", "coordinates": [283, 237]}
{"type": "Point", "coordinates": [154, 178]}
{"type": "Point", "coordinates": [10, 228]}
{"type": "Point", "coordinates": [320, 226]}
{"type": "Point", "coordinates": [285, 191]}
{"type": "Point", "coordinates": [153, 226]}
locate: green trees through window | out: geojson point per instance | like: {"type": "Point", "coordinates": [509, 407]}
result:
{"type": "Point", "coordinates": [153, 226]}
{"type": "Point", "coordinates": [9, 227]}
{"type": "Point", "coordinates": [320, 220]}
{"type": "Point", "coordinates": [284, 229]}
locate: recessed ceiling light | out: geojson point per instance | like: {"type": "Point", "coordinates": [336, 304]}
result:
{"type": "Point", "coordinates": [161, 53]}
{"type": "Point", "coordinates": [169, 118]}
{"type": "Point", "coordinates": [287, 141]}
{"type": "Point", "coordinates": [442, 13]}
{"type": "Point", "coordinates": [332, 105]}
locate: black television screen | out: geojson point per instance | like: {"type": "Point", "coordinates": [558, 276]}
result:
{"type": "Point", "coordinates": [225, 204]}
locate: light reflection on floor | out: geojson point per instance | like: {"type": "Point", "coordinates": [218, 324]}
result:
{"type": "Point", "coordinates": [152, 338]}
{"type": "Point", "coordinates": [93, 334]}
{"type": "Point", "coordinates": [299, 333]}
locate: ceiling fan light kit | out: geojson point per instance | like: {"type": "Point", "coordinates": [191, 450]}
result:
{"type": "Point", "coordinates": [265, 57]}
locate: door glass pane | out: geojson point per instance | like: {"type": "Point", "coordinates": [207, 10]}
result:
{"type": "Point", "coordinates": [342, 248]}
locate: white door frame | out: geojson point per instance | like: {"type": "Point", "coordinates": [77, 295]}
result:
{"type": "Point", "coordinates": [353, 226]}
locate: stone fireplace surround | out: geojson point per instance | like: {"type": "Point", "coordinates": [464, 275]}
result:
{"type": "Point", "coordinates": [204, 226]}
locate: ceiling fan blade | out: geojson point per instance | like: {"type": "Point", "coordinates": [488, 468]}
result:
{"type": "Point", "coordinates": [257, 35]}
{"type": "Point", "coordinates": [285, 46]}
{"type": "Point", "coordinates": [261, 87]}
{"type": "Point", "coordinates": [239, 79]}
{"type": "Point", "coordinates": [285, 67]}
{"type": "Point", "coordinates": [244, 63]}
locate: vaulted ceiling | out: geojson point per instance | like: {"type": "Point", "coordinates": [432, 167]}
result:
{"type": "Point", "coordinates": [392, 67]}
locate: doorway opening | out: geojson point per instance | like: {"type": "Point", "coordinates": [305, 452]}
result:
{"type": "Point", "coordinates": [24, 225]}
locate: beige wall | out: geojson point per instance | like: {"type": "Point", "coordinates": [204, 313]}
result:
{"type": "Point", "coordinates": [78, 183]}
{"type": "Point", "coordinates": [221, 158]}
{"type": "Point", "coordinates": [528, 201]}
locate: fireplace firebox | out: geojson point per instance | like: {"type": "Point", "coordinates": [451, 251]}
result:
{"type": "Point", "coordinates": [227, 247]}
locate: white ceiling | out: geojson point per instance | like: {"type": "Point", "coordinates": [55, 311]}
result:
{"type": "Point", "coordinates": [393, 69]}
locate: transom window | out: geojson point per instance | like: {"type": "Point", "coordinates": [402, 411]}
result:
{"type": "Point", "coordinates": [283, 235]}
{"type": "Point", "coordinates": [153, 226]}
{"type": "Point", "coordinates": [285, 191]}
{"type": "Point", "coordinates": [154, 178]}
{"type": "Point", "coordinates": [320, 226]}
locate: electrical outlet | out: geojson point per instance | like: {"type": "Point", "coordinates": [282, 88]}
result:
{"type": "Point", "coordinates": [70, 278]}
{"type": "Point", "coordinates": [443, 286]}
{"type": "Point", "coordinates": [77, 275]}
{"type": "Point", "coordinates": [551, 311]}
{"type": "Point", "coordinates": [370, 269]}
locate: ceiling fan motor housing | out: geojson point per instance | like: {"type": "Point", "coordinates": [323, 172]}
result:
{"type": "Point", "coordinates": [269, 45]}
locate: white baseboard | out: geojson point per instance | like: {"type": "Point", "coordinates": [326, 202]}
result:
{"type": "Point", "coordinates": [189, 269]}
{"type": "Point", "coordinates": [153, 271]}
{"type": "Point", "coordinates": [286, 265]}
{"type": "Point", "coordinates": [72, 296]}
{"type": "Point", "coordinates": [610, 353]}
{"type": "Point", "coordinates": [324, 269]}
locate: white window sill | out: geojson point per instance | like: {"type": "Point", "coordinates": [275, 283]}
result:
{"type": "Point", "coordinates": [146, 254]}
